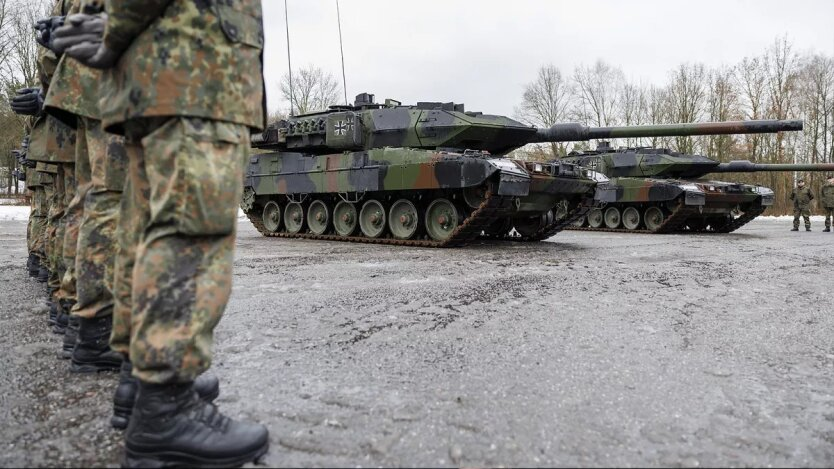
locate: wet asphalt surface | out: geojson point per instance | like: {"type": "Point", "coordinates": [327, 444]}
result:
{"type": "Point", "coordinates": [590, 349]}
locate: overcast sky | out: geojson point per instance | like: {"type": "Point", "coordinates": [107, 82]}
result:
{"type": "Point", "coordinates": [482, 52]}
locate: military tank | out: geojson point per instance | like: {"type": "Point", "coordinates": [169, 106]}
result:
{"type": "Point", "coordinates": [428, 175]}
{"type": "Point", "coordinates": [661, 191]}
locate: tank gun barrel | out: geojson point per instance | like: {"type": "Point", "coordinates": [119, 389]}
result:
{"type": "Point", "coordinates": [744, 166]}
{"type": "Point", "coordinates": [579, 132]}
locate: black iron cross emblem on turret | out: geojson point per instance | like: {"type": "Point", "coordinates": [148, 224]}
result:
{"type": "Point", "coordinates": [342, 128]}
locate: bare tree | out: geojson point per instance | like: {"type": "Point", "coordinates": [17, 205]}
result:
{"type": "Point", "coordinates": [598, 91]}
{"type": "Point", "coordinates": [687, 96]}
{"type": "Point", "coordinates": [722, 105]}
{"type": "Point", "coordinates": [545, 102]}
{"type": "Point", "coordinates": [312, 90]}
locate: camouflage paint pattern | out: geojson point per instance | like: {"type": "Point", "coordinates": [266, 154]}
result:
{"type": "Point", "coordinates": [171, 70]}
{"type": "Point", "coordinates": [191, 172]}
{"type": "Point", "coordinates": [648, 177]}
{"type": "Point", "coordinates": [416, 152]}
{"type": "Point", "coordinates": [97, 231]}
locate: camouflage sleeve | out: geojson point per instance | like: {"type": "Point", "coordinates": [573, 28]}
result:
{"type": "Point", "coordinates": [793, 194]}
{"type": "Point", "coordinates": [47, 63]}
{"type": "Point", "coordinates": [128, 18]}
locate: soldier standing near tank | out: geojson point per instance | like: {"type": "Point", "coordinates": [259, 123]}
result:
{"type": "Point", "coordinates": [802, 197]}
{"type": "Point", "coordinates": [186, 89]}
{"type": "Point", "coordinates": [827, 198]}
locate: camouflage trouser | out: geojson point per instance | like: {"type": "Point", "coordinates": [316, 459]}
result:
{"type": "Point", "coordinates": [829, 213]}
{"type": "Point", "coordinates": [55, 223]}
{"type": "Point", "coordinates": [805, 213]}
{"type": "Point", "coordinates": [37, 221]}
{"type": "Point", "coordinates": [75, 210]}
{"type": "Point", "coordinates": [176, 236]}
{"type": "Point", "coordinates": [97, 231]}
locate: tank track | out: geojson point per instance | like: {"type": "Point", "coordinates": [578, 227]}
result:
{"type": "Point", "coordinates": [737, 223]}
{"type": "Point", "coordinates": [674, 223]}
{"type": "Point", "coordinates": [551, 229]}
{"type": "Point", "coordinates": [491, 208]}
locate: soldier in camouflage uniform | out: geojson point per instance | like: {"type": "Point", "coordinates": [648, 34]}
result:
{"type": "Point", "coordinates": [55, 143]}
{"type": "Point", "coordinates": [186, 90]}
{"type": "Point", "coordinates": [100, 173]}
{"type": "Point", "coordinates": [802, 197]}
{"type": "Point", "coordinates": [827, 199]}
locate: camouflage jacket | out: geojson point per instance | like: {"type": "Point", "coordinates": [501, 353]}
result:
{"type": "Point", "coordinates": [46, 130]}
{"type": "Point", "coordinates": [802, 197]}
{"type": "Point", "coordinates": [200, 58]}
{"type": "Point", "coordinates": [75, 89]}
{"type": "Point", "coordinates": [827, 195]}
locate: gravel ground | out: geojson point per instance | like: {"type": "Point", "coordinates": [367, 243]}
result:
{"type": "Point", "coordinates": [590, 349]}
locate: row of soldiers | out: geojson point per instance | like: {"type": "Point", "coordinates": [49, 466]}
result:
{"type": "Point", "coordinates": [802, 196]}
{"type": "Point", "coordinates": [138, 138]}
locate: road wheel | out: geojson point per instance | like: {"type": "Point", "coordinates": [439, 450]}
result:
{"type": "Point", "coordinates": [654, 218]}
{"type": "Point", "coordinates": [631, 218]}
{"type": "Point", "coordinates": [529, 226]}
{"type": "Point", "coordinates": [595, 218]}
{"type": "Point", "coordinates": [403, 219]}
{"type": "Point", "coordinates": [294, 218]}
{"type": "Point", "coordinates": [613, 218]}
{"type": "Point", "coordinates": [372, 219]}
{"type": "Point", "coordinates": [580, 222]}
{"type": "Point", "coordinates": [345, 218]}
{"type": "Point", "coordinates": [318, 217]}
{"type": "Point", "coordinates": [272, 217]}
{"type": "Point", "coordinates": [560, 211]}
{"type": "Point", "coordinates": [441, 220]}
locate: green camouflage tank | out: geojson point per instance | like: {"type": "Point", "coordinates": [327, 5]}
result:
{"type": "Point", "coordinates": [430, 175]}
{"type": "Point", "coordinates": [661, 191]}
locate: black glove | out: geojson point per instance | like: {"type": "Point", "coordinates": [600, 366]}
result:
{"type": "Point", "coordinates": [20, 175]}
{"type": "Point", "coordinates": [45, 27]}
{"type": "Point", "coordinates": [82, 39]}
{"type": "Point", "coordinates": [78, 29]}
{"type": "Point", "coordinates": [28, 102]}
{"type": "Point", "coordinates": [25, 143]}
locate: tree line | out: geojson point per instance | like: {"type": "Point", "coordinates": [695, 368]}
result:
{"type": "Point", "coordinates": [779, 83]}
{"type": "Point", "coordinates": [18, 69]}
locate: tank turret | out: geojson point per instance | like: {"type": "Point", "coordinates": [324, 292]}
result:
{"type": "Point", "coordinates": [434, 125]}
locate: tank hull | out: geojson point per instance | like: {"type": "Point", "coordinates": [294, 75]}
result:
{"type": "Point", "coordinates": [652, 205]}
{"type": "Point", "coordinates": [407, 196]}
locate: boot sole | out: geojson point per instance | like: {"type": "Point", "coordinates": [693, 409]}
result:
{"type": "Point", "coordinates": [176, 459]}
{"type": "Point", "coordinates": [88, 368]}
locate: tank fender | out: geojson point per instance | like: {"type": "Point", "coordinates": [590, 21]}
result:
{"type": "Point", "coordinates": [513, 180]}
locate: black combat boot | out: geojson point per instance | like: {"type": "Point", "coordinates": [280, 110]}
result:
{"type": "Point", "coordinates": [795, 229]}
{"type": "Point", "coordinates": [207, 388]}
{"type": "Point", "coordinates": [807, 228]}
{"type": "Point", "coordinates": [70, 338]}
{"type": "Point", "coordinates": [61, 322]}
{"type": "Point", "coordinates": [171, 426]}
{"type": "Point", "coordinates": [92, 352]}
{"type": "Point", "coordinates": [43, 274]}
{"type": "Point", "coordinates": [827, 230]}
{"type": "Point", "coordinates": [34, 265]}
{"type": "Point", "coordinates": [53, 312]}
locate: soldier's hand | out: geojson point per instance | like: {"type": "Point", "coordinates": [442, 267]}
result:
{"type": "Point", "coordinates": [45, 28]}
{"type": "Point", "coordinates": [94, 55]}
{"type": "Point", "coordinates": [28, 102]}
{"type": "Point", "coordinates": [78, 29]}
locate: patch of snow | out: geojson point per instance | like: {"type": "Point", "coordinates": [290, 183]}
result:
{"type": "Point", "coordinates": [14, 212]}
{"type": "Point", "coordinates": [789, 218]}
